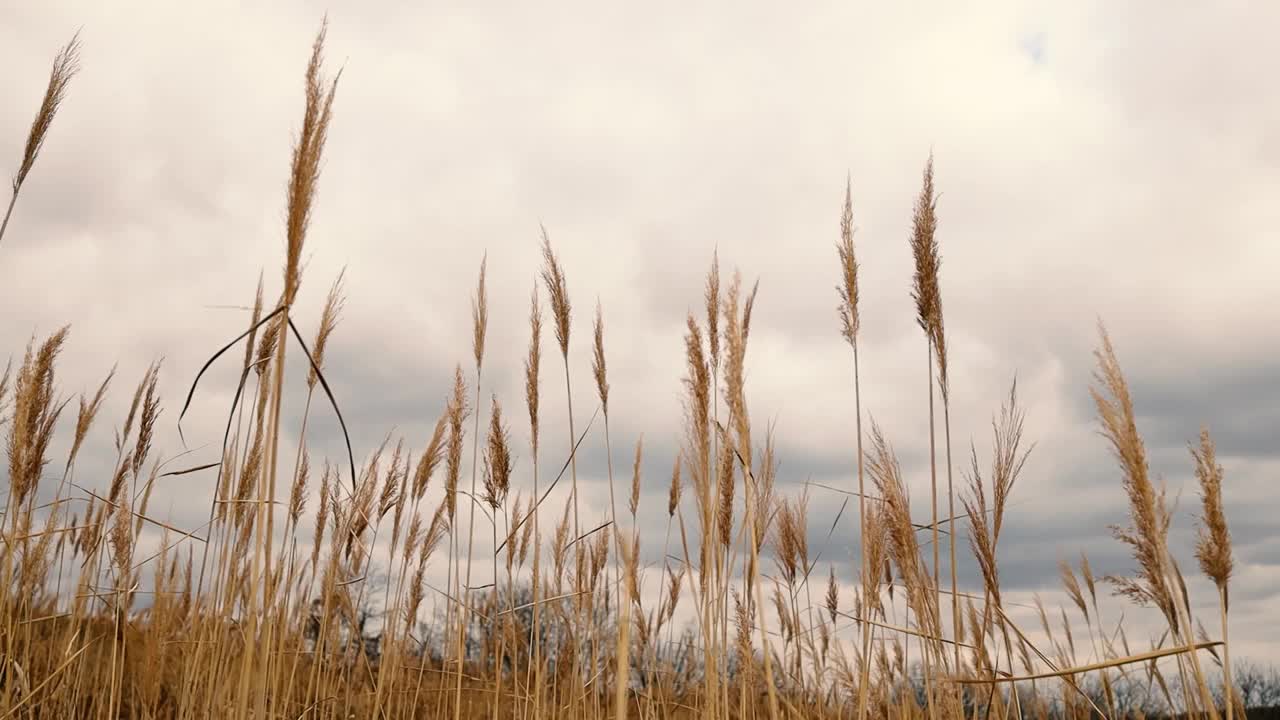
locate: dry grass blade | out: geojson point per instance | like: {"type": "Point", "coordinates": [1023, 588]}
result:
{"type": "Point", "coordinates": [191, 393]}
{"type": "Point", "coordinates": [904, 631]}
{"type": "Point", "coordinates": [123, 508]}
{"type": "Point", "coordinates": [328, 393]}
{"type": "Point", "coordinates": [188, 471]}
{"type": "Point", "coordinates": [1079, 669]}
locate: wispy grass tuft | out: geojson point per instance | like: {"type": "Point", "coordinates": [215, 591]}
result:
{"type": "Point", "coordinates": [65, 66]}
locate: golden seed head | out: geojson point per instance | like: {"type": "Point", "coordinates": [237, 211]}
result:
{"type": "Point", "coordinates": [598, 369]}
{"type": "Point", "coordinates": [480, 316]}
{"type": "Point", "coordinates": [557, 290]}
{"type": "Point", "coordinates": [65, 66]}
{"type": "Point", "coordinates": [1213, 544]}
{"type": "Point", "coordinates": [329, 317]}
{"type": "Point", "coordinates": [848, 288]}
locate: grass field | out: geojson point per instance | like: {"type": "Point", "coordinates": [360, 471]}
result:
{"type": "Point", "coordinates": [261, 612]}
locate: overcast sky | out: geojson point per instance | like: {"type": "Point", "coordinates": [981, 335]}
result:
{"type": "Point", "coordinates": [1095, 160]}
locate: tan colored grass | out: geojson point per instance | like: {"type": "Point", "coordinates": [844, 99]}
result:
{"type": "Point", "coordinates": [329, 317]}
{"type": "Point", "coordinates": [1147, 533]}
{"type": "Point", "coordinates": [1149, 517]}
{"type": "Point", "coordinates": [308, 151]}
{"type": "Point", "coordinates": [674, 491]}
{"type": "Point", "coordinates": [928, 299]}
{"type": "Point", "coordinates": [276, 633]}
{"type": "Point", "coordinates": [532, 390]}
{"type": "Point", "coordinates": [557, 292]}
{"type": "Point", "coordinates": [848, 287]}
{"type": "Point", "coordinates": [1213, 546]}
{"type": "Point", "coordinates": [65, 66]}
{"type": "Point", "coordinates": [924, 248]}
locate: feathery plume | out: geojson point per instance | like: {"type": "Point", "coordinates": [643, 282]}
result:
{"type": "Point", "coordinates": [65, 66]}
{"type": "Point", "coordinates": [88, 411]}
{"type": "Point", "coordinates": [431, 458]}
{"type": "Point", "coordinates": [553, 277]}
{"type": "Point", "coordinates": [298, 493]}
{"type": "Point", "coordinates": [712, 297]}
{"type": "Point", "coordinates": [322, 512]}
{"type": "Point", "coordinates": [391, 484]}
{"type": "Point", "coordinates": [480, 316]}
{"type": "Point", "coordinates": [254, 318]}
{"type": "Point", "coordinates": [904, 549]}
{"type": "Point", "coordinates": [304, 173]}
{"type": "Point", "coordinates": [532, 365]}
{"type": "Point", "coordinates": [147, 420]}
{"type": "Point", "coordinates": [697, 404]}
{"type": "Point", "coordinates": [737, 326]}
{"type": "Point", "coordinates": [457, 412]}
{"type": "Point", "coordinates": [1086, 572]}
{"type": "Point", "coordinates": [526, 533]}
{"type": "Point", "coordinates": [833, 594]}
{"type": "Point", "coordinates": [497, 459]}
{"type": "Point", "coordinates": [635, 477]}
{"type": "Point", "coordinates": [436, 531]}
{"type": "Point", "coordinates": [1213, 543]}
{"type": "Point", "coordinates": [925, 291]}
{"type": "Point", "coordinates": [848, 289]}
{"type": "Point", "coordinates": [412, 537]}
{"type": "Point", "coordinates": [122, 539]}
{"type": "Point", "coordinates": [35, 412]}
{"type": "Point", "coordinates": [724, 518]}
{"type": "Point", "coordinates": [266, 349]}
{"type": "Point", "coordinates": [597, 361]}
{"type": "Point", "coordinates": [1072, 586]}
{"type": "Point", "coordinates": [333, 303]}
{"type": "Point", "coordinates": [876, 559]}
{"type": "Point", "coordinates": [673, 495]}
{"type": "Point", "coordinates": [1149, 517]}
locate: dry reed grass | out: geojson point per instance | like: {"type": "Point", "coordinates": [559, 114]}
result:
{"type": "Point", "coordinates": [278, 629]}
